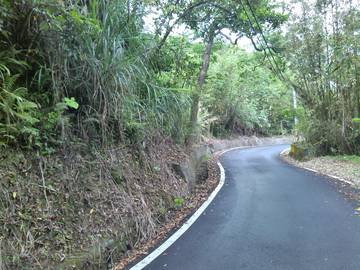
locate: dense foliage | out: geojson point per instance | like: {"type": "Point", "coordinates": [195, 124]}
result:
{"type": "Point", "coordinates": [89, 70]}
{"type": "Point", "coordinates": [90, 54]}
{"type": "Point", "coordinates": [250, 100]}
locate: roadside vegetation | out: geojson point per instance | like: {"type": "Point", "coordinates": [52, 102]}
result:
{"type": "Point", "coordinates": [323, 60]}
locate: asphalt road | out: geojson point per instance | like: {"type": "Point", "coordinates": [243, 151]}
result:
{"type": "Point", "coordinates": [268, 216]}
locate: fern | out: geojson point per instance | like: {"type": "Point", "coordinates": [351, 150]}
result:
{"type": "Point", "coordinates": [17, 114]}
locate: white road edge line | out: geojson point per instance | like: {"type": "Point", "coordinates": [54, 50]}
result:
{"type": "Point", "coordinates": [284, 151]}
{"type": "Point", "coordinates": [311, 170]}
{"type": "Point", "coordinates": [315, 171]}
{"type": "Point", "coordinates": [330, 175]}
{"type": "Point", "coordinates": [171, 240]}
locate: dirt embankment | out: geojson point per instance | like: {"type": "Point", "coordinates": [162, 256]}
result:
{"type": "Point", "coordinates": [85, 208]}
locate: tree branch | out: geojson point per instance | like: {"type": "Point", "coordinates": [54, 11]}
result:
{"type": "Point", "coordinates": [227, 37]}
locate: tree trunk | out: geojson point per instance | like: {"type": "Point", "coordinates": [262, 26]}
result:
{"type": "Point", "coordinates": [200, 83]}
{"type": "Point", "coordinates": [357, 90]}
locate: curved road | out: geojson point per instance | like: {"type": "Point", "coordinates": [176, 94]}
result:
{"type": "Point", "coordinates": [269, 216]}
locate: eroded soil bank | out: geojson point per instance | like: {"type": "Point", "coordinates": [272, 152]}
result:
{"type": "Point", "coordinates": [84, 208]}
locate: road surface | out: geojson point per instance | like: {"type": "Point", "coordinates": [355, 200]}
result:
{"type": "Point", "coordinates": [269, 216]}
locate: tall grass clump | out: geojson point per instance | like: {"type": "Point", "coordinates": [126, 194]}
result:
{"type": "Point", "coordinates": [97, 54]}
{"type": "Point", "coordinates": [104, 64]}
